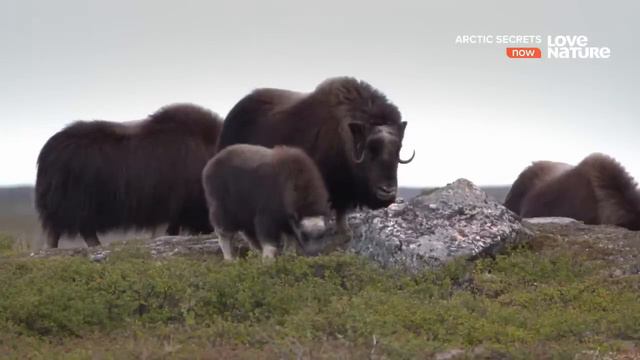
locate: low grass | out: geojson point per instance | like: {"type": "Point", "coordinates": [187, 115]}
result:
{"type": "Point", "coordinates": [546, 300]}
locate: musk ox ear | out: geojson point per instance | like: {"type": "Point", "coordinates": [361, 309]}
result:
{"type": "Point", "coordinates": [359, 139]}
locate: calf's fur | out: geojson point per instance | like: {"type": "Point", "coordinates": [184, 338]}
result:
{"type": "Point", "coordinates": [266, 194]}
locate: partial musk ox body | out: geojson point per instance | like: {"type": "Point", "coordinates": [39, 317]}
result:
{"type": "Point", "coordinates": [269, 195]}
{"type": "Point", "coordinates": [96, 176]}
{"type": "Point", "coordinates": [596, 191]}
{"type": "Point", "coordinates": [350, 130]}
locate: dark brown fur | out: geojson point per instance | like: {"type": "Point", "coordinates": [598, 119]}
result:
{"type": "Point", "coordinates": [342, 120]}
{"type": "Point", "coordinates": [596, 191]}
{"type": "Point", "coordinates": [258, 191]}
{"type": "Point", "coordinates": [96, 176]}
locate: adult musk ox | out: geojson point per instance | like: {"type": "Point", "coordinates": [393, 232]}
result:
{"type": "Point", "coordinates": [596, 191]}
{"type": "Point", "coordinates": [351, 131]}
{"type": "Point", "coordinates": [96, 176]}
{"type": "Point", "coordinates": [269, 195]}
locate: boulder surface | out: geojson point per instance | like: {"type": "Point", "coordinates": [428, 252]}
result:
{"type": "Point", "coordinates": [458, 220]}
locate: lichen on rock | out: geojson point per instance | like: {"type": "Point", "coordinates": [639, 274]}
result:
{"type": "Point", "coordinates": [458, 220]}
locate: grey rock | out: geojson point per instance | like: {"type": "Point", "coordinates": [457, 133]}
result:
{"type": "Point", "coordinates": [613, 244]}
{"type": "Point", "coordinates": [159, 247]}
{"type": "Point", "coordinates": [183, 245]}
{"type": "Point", "coordinates": [450, 354]}
{"type": "Point", "coordinates": [99, 255]}
{"type": "Point", "coordinates": [458, 220]}
{"type": "Point", "coordinates": [550, 220]}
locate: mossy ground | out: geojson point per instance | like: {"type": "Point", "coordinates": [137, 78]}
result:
{"type": "Point", "coordinates": [550, 299]}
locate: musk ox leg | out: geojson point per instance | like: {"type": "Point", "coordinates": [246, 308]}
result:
{"type": "Point", "coordinates": [173, 229]}
{"type": "Point", "coordinates": [224, 239]}
{"type": "Point", "coordinates": [269, 252]}
{"type": "Point", "coordinates": [343, 235]}
{"type": "Point", "coordinates": [53, 237]}
{"type": "Point", "coordinates": [253, 243]}
{"type": "Point", "coordinates": [341, 222]}
{"type": "Point", "coordinates": [291, 245]}
{"type": "Point", "coordinates": [268, 235]}
{"type": "Point", "coordinates": [90, 238]}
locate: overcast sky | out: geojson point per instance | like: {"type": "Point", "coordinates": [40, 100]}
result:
{"type": "Point", "coordinates": [472, 112]}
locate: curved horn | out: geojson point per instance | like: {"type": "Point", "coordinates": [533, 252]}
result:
{"type": "Point", "coordinates": [358, 138]}
{"type": "Point", "coordinates": [407, 161]}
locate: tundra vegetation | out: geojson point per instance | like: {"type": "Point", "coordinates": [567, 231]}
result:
{"type": "Point", "coordinates": [557, 296]}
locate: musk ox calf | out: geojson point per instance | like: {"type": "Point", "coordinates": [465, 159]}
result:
{"type": "Point", "coordinates": [96, 176]}
{"type": "Point", "coordinates": [269, 195]}
{"type": "Point", "coordinates": [596, 191]}
{"type": "Point", "coordinates": [350, 130]}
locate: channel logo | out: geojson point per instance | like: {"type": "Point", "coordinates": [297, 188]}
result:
{"type": "Point", "coordinates": [532, 46]}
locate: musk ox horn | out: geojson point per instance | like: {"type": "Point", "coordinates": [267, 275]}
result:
{"type": "Point", "coordinates": [407, 161]}
{"type": "Point", "coordinates": [358, 135]}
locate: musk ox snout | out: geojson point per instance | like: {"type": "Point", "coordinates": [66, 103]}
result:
{"type": "Point", "coordinates": [386, 192]}
{"type": "Point", "coordinates": [313, 227]}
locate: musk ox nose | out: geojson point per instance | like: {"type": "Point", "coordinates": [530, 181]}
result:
{"type": "Point", "coordinates": [313, 226]}
{"type": "Point", "coordinates": [386, 192]}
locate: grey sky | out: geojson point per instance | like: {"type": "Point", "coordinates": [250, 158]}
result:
{"type": "Point", "coordinates": [472, 112]}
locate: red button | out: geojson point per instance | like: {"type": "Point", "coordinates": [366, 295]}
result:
{"type": "Point", "coordinates": [524, 53]}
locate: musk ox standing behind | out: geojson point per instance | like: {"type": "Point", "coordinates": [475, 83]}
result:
{"type": "Point", "coordinates": [96, 176]}
{"type": "Point", "coordinates": [270, 195]}
{"type": "Point", "coordinates": [350, 130]}
{"type": "Point", "coordinates": [596, 191]}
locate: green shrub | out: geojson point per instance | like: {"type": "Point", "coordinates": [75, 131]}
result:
{"type": "Point", "coordinates": [6, 244]}
{"type": "Point", "coordinates": [535, 302]}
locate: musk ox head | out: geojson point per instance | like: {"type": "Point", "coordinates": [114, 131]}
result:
{"type": "Point", "coordinates": [309, 233]}
{"type": "Point", "coordinates": [315, 235]}
{"type": "Point", "coordinates": [372, 132]}
{"type": "Point", "coordinates": [375, 152]}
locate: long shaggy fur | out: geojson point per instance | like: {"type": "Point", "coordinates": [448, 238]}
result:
{"type": "Point", "coordinates": [96, 176]}
{"type": "Point", "coordinates": [597, 191]}
{"type": "Point", "coordinates": [322, 124]}
{"type": "Point", "coordinates": [258, 190]}
{"type": "Point", "coordinates": [531, 178]}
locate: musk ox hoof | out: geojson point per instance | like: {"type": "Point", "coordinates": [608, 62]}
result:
{"type": "Point", "coordinates": [269, 253]}
{"type": "Point", "coordinates": [224, 239]}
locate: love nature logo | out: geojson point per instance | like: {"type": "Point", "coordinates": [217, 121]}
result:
{"type": "Point", "coordinates": [557, 46]}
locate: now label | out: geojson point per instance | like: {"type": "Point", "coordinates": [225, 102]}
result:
{"type": "Point", "coordinates": [524, 53]}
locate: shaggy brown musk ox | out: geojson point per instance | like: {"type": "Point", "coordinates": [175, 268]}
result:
{"type": "Point", "coordinates": [270, 195]}
{"type": "Point", "coordinates": [596, 191]}
{"type": "Point", "coordinates": [351, 131]}
{"type": "Point", "coordinates": [96, 176]}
